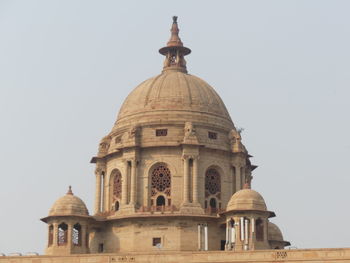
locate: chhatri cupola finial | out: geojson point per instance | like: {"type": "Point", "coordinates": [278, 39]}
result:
{"type": "Point", "coordinates": [174, 51]}
{"type": "Point", "coordinates": [70, 192]}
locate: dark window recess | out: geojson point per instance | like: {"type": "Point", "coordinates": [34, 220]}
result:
{"type": "Point", "coordinates": [156, 241]}
{"type": "Point", "coordinates": [118, 139]}
{"type": "Point", "coordinates": [100, 248]}
{"type": "Point", "coordinates": [212, 135]}
{"type": "Point", "coordinates": [161, 132]}
{"type": "Point", "coordinates": [222, 244]}
{"type": "Point", "coordinates": [160, 200]}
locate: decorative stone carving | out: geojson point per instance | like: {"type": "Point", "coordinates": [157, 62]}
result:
{"type": "Point", "coordinates": [236, 141]}
{"type": "Point", "coordinates": [133, 132]}
{"type": "Point", "coordinates": [190, 134]}
{"type": "Point", "coordinates": [117, 185]}
{"type": "Point", "coordinates": [99, 170]}
{"type": "Point", "coordinates": [189, 129]}
{"type": "Point", "coordinates": [104, 145]}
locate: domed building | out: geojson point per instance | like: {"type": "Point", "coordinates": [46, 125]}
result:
{"type": "Point", "coordinates": [172, 174]}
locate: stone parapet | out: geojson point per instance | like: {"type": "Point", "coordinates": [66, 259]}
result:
{"type": "Point", "coordinates": [265, 256]}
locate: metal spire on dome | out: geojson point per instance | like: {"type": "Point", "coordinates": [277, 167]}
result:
{"type": "Point", "coordinates": [246, 186]}
{"type": "Point", "coordinates": [174, 51]}
{"type": "Point", "coordinates": [70, 192]}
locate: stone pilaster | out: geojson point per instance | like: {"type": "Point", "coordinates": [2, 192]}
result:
{"type": "Point", "coordinates": [124, 200]}
{"type": "Point", "coordinates": [55, 235]}
{"type": "Point", "coordinates": [133, 190]}
{"type": "Point", "coordinates": [98, 192]}
{"type": "Point", "coordinates": [186, 172]}
{"type": "Point", "coordinates": [238, 178]}
{"type": "Point", "coordinates": [195, 180]}
{"type": "Point", "coordinates": [69, 236]}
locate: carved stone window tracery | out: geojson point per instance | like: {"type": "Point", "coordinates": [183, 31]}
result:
{"type": "Point", "coordinates": [212, 182]}
{"type": "Point", "coordinates": [212, 190]}
{"type": "Point", "coordinates": [117, 185]}
{"type": "Point", "coordinates": [161, 180]}
{"type": "Point", "coordinates": [161, 186]}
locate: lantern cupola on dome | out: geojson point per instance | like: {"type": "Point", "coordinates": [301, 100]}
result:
{"type": "Point", "coordinates": [175, 51]}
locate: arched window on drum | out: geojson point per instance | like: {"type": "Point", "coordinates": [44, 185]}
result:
{"type": "Point", "coordinates": [116, 178]}
{"type": "Point", "coordinates": [160, 186]}
{"type": "Point", "coordinates": [212, 190]}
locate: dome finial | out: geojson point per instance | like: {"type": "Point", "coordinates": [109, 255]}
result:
{"type": "Point", "coordinates": [246, 186]}
{"type": "Point", "coordinates": [70, 192]}
{"type": "Point", "coordinates": [174, 50]}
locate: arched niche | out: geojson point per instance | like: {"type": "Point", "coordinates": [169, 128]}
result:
{"type": "Point", "coordinates": [160, 180]}
{"type": "Point", "coordinates": [115, 183]}
{"type": "Point", "coordinates": [62, 235]}
{"type": "Point", "coordinates": [213, 179]}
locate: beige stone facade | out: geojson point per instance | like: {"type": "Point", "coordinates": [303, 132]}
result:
{"type": "Point", "coordinates": [169, 176]}
{"type": "Point", "coordinates": [172, 184]}
{"type": "Point", "coordinates": [332, 255]}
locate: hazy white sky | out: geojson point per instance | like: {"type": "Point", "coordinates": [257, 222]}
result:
{"type": "Point", "coordinates": [281, 67]}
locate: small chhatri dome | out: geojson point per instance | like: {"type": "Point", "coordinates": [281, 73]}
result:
{"type": "Point", "coordinates": [69, 205]}
{"type": "Point", "coordinates": [246, 199]}
{"type": "Point", "coordinates": [274, 233]}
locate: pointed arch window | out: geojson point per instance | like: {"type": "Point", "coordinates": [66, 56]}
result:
{"type": "Point", "coordinates": [117, 188]}
{"type": "Point", "coordinates": [212, 190]}
{"type": "Point", "coordinates": [161, 185]}
{"type": "Point", "coordinates": [62, 234]}
{"type": "Point", "coordinates": [76, 235]}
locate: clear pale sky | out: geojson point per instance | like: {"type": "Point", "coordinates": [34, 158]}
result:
{"type": "Point", "coordinates": [281, 67]}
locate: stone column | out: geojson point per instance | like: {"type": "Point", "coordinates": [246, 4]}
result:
{"type": "Point", "coordinates": [238, 178]}
{"type": "Point", "coordinates": [242, 176]}
{"type": "Point", "coordinates": [233, 236]}
{"type": "Point", "coordinates": [228, 236]}
{"type": "Point", "coordinates": [133, 183]}
{"type": "Point", "coordinates": [186, 180]}
{"type": "Point", "coordinates": [124, 200]}
{"type": "Point", "coordinates": [253, 238]}
{"type": "Point", "coordinates": [69, 236]}
{"type": "Point", "coordinates": [242, 237]}
{"type": "Point", "coordinates": [103, 194]}
{"type": "Point", "coordinates": [246, 234]}
{"type": "Point", "coordinates": [205, 237]}
{"type": "Point", "coordinates": [55, 234]}
{"type": "Point", "coordinates": [265, 221]}
{"type": "Point", "coordinates": [195, 180]}
{"type": "Point", "coordinates": [234, 180]}
{"type": "Point", "coordinates": [199, 237]}
{"type": "Point", "coordinates": [83, 236]}
{"type": "Point", "coordinates": [98, 192]}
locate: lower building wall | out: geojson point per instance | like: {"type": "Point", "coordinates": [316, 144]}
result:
{"type": "Point", "coordinates": [297, 255]}
{"type": "Point", "coordinates": [137, 235]}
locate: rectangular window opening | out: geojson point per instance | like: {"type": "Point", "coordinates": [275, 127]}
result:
{"type": "Point", "coordinates": [156, 241]}
{"type": "Point", "coordinates": [212, 135]}
{"type": "Point", "coordinates": [161, 132]}
{"type": "Point", "coordinates": [118, 139]}
{"type": "Point", "coordinates": [100, 248]}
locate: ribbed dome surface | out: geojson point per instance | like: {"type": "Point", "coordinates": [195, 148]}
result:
{"type": "Point", "coordinates": [246, 199]}
{"type": "Point", "coordinates": [274, 233]}
{"type": "Point", "coordinates": [69, 205]}
{"type": "Point", "coordinates": [174, 91]}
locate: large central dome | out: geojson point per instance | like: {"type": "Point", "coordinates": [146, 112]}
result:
{"type": "Point", "coordinates": [173, 90]}
{"type": "Point", "coordinates": [173, 95]}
